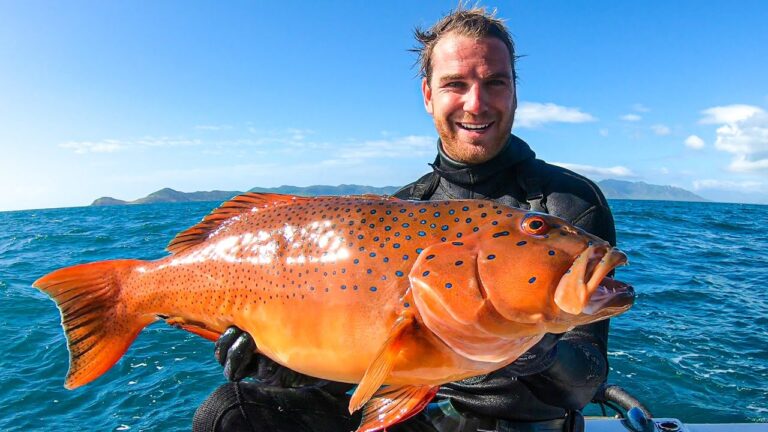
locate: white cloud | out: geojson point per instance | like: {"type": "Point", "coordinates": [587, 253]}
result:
{"type": "Point", "coordinates": [742, 164]}
{"type": "Point", "coordinates": [631, 117]}
{"type": "Point", "coordinates": [393, 148]}
{"type": "Point", "coordinates": [213, 127]}
{"type": "Point", "coordinates": [603, 132]}
{"type": "Point", "coordinates": [533, 114]}
{"type": "Point", "coordinates": [588, 170]}
{"type": "Point", "coordinates": [114, 145]}
{"type": "Point", "coordinates": [743, 133]}
{"type": "Point", "coordinates": [660, 129]}
{"type": "Point", "coordinates": [640, 108]}
{"type": "Point", "coordinates": [83, 147]}
{"type": "Point", "coordinates": [729, 114]}
{"type": "Point", "coordinates": [728, 185]}
{"type": "Point", "coordinates": [694, 142]}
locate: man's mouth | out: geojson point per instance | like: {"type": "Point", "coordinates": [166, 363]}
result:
{"type": "Point", "coordinates": [474, 127]}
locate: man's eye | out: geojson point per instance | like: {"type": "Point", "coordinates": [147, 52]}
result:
{"type": "Point", "coordinates": [497, 83]}
{"type": "Point", "coordinates": [454, 84]}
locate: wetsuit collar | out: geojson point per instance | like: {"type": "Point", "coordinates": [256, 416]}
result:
{"type": "Point", "coordinates": [514, 152]}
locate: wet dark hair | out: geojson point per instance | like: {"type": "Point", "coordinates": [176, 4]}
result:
{"type": "Point", "coordinates": [473, 22]}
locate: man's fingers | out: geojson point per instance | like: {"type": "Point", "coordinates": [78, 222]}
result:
{"type": "Point", "coordinates": [239, 357]}
{"type": "Point", "coordinates": [224, 343]}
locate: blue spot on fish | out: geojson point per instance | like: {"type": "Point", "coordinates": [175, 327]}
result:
{"type": "Point", "coordinates": [448, 285]}
{"type": "Point", "coordinates": [429, 257]}
{"type": "Point", "coordinates": [399, 273]}
{"type": "Point", "coordinates": [501, 234]}
{"type": "Point", "coordinates": [491, 256]}
{"type": "Point", "coordinates": [522, 243]}
{"type": "Point", "coordinates": [426, 273]}
{"type": "Point", "coordinates": [373, 288]}
{"type": "Point", "coordinates": [532, 280]}
{"type": "Point", "coordinates": [551, 253]}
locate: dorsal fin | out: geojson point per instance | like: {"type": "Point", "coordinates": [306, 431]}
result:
{"type": "Point", "coordinates": [236, 206]}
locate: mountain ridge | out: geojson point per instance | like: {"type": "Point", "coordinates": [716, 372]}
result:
{"type": "Point", "coordinates": [612, 189]}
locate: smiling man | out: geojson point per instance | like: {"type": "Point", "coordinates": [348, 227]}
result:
{"type": "Point", "coordinates": [469, 89]}
{"type": "Point", "coordinates": [468, 67]}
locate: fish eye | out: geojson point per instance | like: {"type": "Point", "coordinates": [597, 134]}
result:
{"type": "Point", "coordinates": [535, 225]}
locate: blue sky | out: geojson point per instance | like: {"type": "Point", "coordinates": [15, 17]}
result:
{"type": "Point", "coordinates": [123, 98]}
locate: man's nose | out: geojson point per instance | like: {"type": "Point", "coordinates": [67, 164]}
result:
{"type": "Point", "coordinates": [474, 100]}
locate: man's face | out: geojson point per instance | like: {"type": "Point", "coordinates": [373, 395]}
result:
{"type": "Point", "coordinates": [471, 96]}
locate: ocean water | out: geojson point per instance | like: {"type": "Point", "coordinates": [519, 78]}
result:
{"type": "Point", "coordinates": [694, 347]}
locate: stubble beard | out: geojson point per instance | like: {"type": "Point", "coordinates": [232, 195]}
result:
{"type": "Point", "coordinates": [475, 151]}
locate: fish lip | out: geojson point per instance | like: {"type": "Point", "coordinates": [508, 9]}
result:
{"type": "Point", "coordinates": [585, 275]}
{"type": "Point", "coordinates": [607, 292]}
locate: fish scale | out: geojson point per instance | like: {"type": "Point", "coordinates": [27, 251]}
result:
{"type": "Point", "coordinates": [369, 290]}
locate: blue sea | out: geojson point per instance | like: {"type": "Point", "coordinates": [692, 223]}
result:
{"type": "Point", "coordinates": [694, 347]}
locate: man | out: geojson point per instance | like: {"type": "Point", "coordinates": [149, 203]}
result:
{"type": "Point", "coordinates": [467, 63]}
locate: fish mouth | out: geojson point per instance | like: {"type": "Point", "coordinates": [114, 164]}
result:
{"type": "Point", "coordinates": [586, 288]}
{"type": "Point", "coordinates": [610, 298]}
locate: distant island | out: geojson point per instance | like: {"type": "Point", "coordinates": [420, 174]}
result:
{"type": "Point", "coordinates": [621, 189]}
{"type": "Point", "coordinates": [168, 195]}
{"type": "Point", "coordinates": [613, 189]}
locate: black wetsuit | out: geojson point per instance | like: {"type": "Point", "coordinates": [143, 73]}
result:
{"type": "Point", "coordinates": [504, 400]}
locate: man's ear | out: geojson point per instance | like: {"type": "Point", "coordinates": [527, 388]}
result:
{"type": "Point", "coordinates": [426, 91]}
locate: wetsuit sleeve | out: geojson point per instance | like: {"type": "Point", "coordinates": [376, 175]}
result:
{"type": "Point", "coordinates": [581, 360]}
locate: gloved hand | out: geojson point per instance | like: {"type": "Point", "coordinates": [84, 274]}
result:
{"type": "Point", "coordinates": [236, 351]}
{"type": "Point", "coordinates": [538, 358]}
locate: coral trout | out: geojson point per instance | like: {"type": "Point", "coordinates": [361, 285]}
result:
{"type": "Point", "coordinates": [397, 296]}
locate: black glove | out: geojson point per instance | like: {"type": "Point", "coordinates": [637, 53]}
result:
{"type": "Point", "coordinates": [236, 351]}
{"type": "Point", "coordinates": [538, 358]}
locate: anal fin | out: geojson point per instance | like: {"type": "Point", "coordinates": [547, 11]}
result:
{"type": "Point", "coordinates": [394, 404]}
{"type": "Point", "coordinates": [194, 328]}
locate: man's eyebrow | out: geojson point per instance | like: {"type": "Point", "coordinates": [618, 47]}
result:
{"type": "Point", "coordinates": [458, 77]}
{"type": "Point", "coordinates": [498, 75]}
{"type": "Point", "coordinates": [451, 77]}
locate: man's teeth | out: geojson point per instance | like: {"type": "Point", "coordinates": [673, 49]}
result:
{"type": "Point", "coordinates": [474, 126]}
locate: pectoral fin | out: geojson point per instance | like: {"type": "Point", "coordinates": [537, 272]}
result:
{"type": "Point", "coordinates": [380, 368]}
{"type": "Point", "coordinates": [394, 404]}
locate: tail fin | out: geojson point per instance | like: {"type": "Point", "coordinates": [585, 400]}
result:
{"type": "Point", "coordinates": [98, 327]}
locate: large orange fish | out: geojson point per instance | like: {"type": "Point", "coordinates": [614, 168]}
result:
{"type": "Point", "coordinates": [377, 291]}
